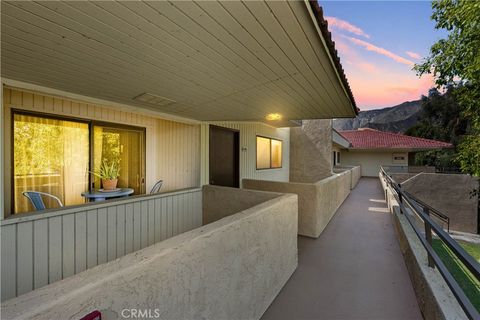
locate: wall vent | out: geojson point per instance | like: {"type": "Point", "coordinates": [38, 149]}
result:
{"type": "Point", "coordinates": [153, 99]}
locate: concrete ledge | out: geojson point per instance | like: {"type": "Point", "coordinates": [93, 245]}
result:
{"type": "Point", "coordinates": [317, 202]}
{"type": "Point", "coordinates": [230, 269]}
{"type": "Point", "coordinates": [435, 299]}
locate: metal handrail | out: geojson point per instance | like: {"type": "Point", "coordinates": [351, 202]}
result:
{"type": "Point", "coordinates": [404, 199]}
{"type": "Point", "coordinates": [437, 213]}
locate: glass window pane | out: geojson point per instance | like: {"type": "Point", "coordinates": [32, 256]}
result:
{"type": "Point", "coordinates": [263, 153]}
{"type": "Point", "coordinates": [276, 153]}
{"type": "Point", "coordinates": [51, 156]}
{"type": "Point", "coordinates": [125, 147]}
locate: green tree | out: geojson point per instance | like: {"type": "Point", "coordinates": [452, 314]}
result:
{"type": "Point", "coordinates": [456, 59]}
{"type": "Point", "coordinates": [441, 119]}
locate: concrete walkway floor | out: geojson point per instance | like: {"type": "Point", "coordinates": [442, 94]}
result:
{"type": "Point", "coordinates": [354, 270]}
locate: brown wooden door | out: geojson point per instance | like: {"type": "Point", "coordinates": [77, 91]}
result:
{"type": "Point", "coordinates": [224, 157]}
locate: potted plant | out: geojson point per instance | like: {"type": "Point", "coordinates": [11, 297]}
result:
{"type": "Point", "coordinates": [109, 174]}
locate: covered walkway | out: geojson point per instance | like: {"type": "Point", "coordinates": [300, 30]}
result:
{"type": "Point", "coordinates": [354, 270]}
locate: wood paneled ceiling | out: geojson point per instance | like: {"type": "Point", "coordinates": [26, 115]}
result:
{"type": "Point", "coordinates": [227, 60]}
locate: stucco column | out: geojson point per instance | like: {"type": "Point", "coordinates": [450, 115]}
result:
{"type": "Point", "coordinates": [311, 151]}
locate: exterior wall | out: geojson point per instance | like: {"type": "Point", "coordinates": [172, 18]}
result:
{"type": "Point", "coordinates": [40, 249]}
{"type": "Point", "coordinates": [229, 269]}
{"type": "Point", "coordinates": [450, 194]}
{"type": "Point", "coordinates": [311, 156]}
{"type": "Point", "coordinates": [218, 203]}
{"type": "Point", "coordinates": [248, 150]}
{"type": "Point", "coordinates": [172, 148]}
{"type": "Point", "coordinates": [317, 202]}
{"type": "Point", "coordinates": [370, 161]}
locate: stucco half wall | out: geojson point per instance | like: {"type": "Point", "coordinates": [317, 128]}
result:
{"type": "Point", "coordinates": [218, 203]}
{"type": "Point", "coordinates": [356, 173]}
{"type": "Point", "coordinates": [317, 202]}
{"type": "Point", "coordinates": [229, 269]}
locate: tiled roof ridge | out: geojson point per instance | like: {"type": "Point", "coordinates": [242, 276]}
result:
{"type": "Point", "coordinates": [396, 134]}
{"type": "Point", "coordinates": [373, 139]}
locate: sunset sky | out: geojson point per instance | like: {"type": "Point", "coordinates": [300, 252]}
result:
{"type": "Point", "coordinates": [378, 43]}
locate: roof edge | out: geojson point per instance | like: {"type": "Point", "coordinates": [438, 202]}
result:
{"type": "Point", "coordinates": [327, 36]}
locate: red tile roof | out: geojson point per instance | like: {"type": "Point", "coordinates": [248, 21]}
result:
{"type": "Point", "coordinates": [367, 138]}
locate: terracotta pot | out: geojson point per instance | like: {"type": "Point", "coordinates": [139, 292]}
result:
{"type": "Point", "coordinates": [109, 184]}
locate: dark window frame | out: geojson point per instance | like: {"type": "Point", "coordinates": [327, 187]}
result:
{"type": "Point", "coordinates": [256, 153]}
{"type": "Point", "coordinates": [91, 123]}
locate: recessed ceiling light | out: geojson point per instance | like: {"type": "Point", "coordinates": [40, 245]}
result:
{"type": "Point", "coordinates": [273, 117]}
{"type": "Point", "coordinates": [153, 99]}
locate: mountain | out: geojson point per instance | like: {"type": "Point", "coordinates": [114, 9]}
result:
{"type": "Point", "coordinates": [392, 119]}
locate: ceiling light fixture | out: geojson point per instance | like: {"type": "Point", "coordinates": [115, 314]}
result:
{"type": "Point", "coordinates": [273, 116]}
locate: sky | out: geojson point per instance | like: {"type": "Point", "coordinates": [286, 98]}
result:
{"type": "Point", "coordinates": [378, 43]}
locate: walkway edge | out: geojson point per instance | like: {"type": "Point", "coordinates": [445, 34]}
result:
{"type": "Point", "coordinates": [435, 299]}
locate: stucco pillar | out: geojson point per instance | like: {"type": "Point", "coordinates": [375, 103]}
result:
{"type": "Point", "coordinates": [311, 151]}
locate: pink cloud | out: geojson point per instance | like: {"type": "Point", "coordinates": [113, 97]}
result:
{"type": "Point", "coordinates": [350, 56]}
{"type": "Point", "coordinates": [382, 51]}
{"type": "Point", "coordinates": [376, 82]}
{"type": "Point", "coordinates": [368, 67]}
{"type": "Point", "coordinates": [413, 55]}
{"type": "Point", "coordinates": [370, 92]}
{"type": "Point", "coordinates": [346, 26]}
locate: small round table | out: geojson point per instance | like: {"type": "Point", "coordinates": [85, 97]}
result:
{"type": "Point", "coordinates": [96, 195]}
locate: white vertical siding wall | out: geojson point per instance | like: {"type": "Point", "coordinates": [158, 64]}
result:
{"type": "Point", "coordinates": [248, 133]}
{"type": "Point", "coordinates": [172, 148]}
{"type": "Point", "coordinates": [40, 249]}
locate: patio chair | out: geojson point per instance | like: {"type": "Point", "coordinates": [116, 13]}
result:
{"type": "Point", "coordinates": [156, 188]}
{"type": "Point", "coordinates": [35, 198]}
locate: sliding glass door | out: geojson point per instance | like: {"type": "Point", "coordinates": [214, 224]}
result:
{"type": "Point", "coordinates": [50, 155]}
{"type": "Point", "coordinates": [55, 155]}
{"type": "Point", "coordinates": [124, 146]}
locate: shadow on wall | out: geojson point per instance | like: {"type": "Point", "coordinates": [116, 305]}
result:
{"type": "Point", "coordinates": [311, 151]}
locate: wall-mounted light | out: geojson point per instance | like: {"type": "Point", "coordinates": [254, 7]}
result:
{"type": "Point", "coordinates": [273, 116]}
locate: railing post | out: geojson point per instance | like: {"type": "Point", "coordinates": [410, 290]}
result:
{"type": "Point", "coordinates": [428, 236]}
{"type": "Point", "coordinates": [400, 198]}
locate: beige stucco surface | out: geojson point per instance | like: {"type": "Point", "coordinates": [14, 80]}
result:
{"type": "Point", "coordinates": [401, 177]}
{"type": "Point", "coordinates": [355, 172]}
{"type": "Point", "coordinates": [449, 193]}
{"type": "Point", "coordinates": [317, 202]}
{"type": "Point", "coordinates": [230, 269]}
{"type": "Point", "coordinates": [435, 299]}
{"type": "Point", "coordinates": [370, 161]}
{"type": "Point", "coordinates": [311, 151]}
{"type": "Point", "coordinates": [221, 202]}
